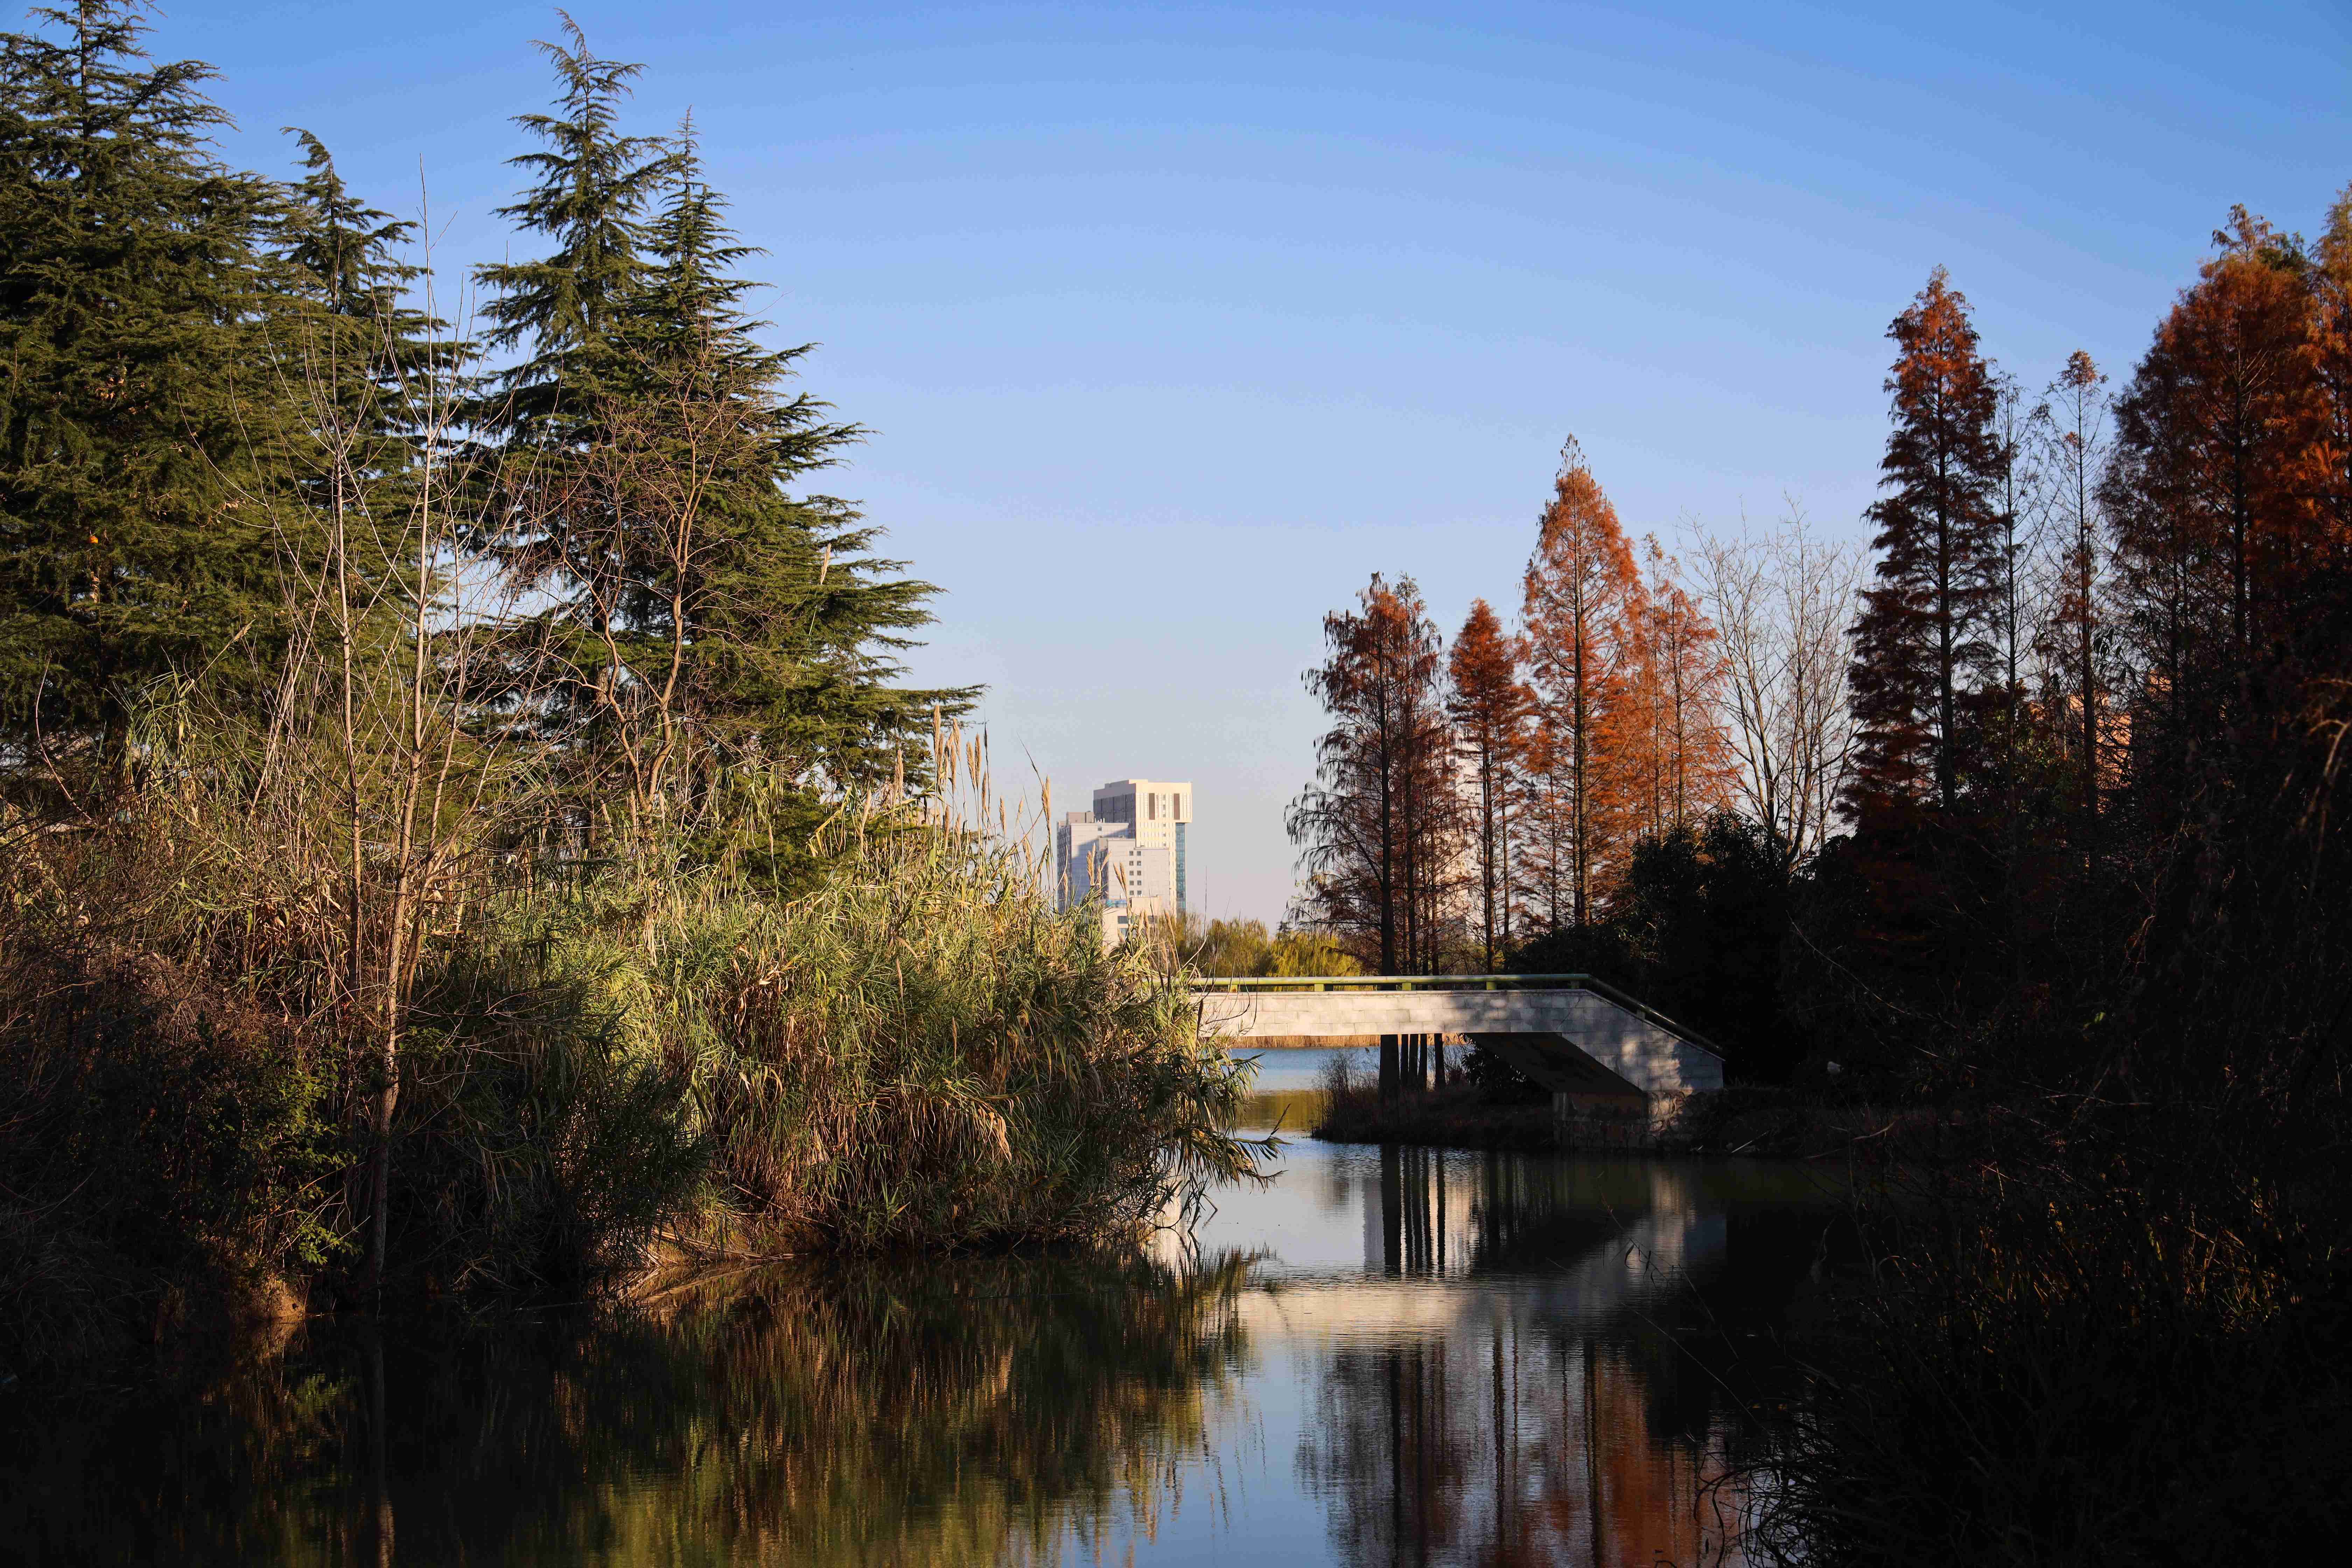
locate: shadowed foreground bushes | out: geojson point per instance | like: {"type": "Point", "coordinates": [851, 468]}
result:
{"type": "Point", "coordinates": [2077, 1354]}
{"type": "Point", "coordinates": [2106, 1319]}
{"type": "Point", "coordinates": [601, 1068]}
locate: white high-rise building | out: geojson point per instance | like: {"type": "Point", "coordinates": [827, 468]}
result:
{"type": "Point", "coordinates": [1130, 851]}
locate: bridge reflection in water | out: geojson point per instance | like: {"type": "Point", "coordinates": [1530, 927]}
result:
{"type": "Point", "coordinates": [1535, 1359]}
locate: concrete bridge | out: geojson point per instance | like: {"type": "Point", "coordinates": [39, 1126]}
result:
{"type": "Point", "coordinates": [1573, 1033]}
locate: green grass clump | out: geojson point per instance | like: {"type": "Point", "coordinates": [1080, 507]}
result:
{"type": "Point", "coordinates": [921, 1052]}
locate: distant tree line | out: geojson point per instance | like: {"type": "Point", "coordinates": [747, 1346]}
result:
{"type": "Point", "coordinates": [1246, 948]}
{"type": "Point", "coordinates": [1630, 776]}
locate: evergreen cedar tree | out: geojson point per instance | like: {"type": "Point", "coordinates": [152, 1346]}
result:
{"type": "Point", "coordinates": [654, 450]}
{"type": "Point", "coordinates": [137, 303]}
{"type": "Point", "coordinates": [1922, 646]}
{"type": "Point", "coordinates": [1377, 830]}
{"type": "Point", "coordinates": [1489, 705]}
{"type": "Point", "coordinates": [565, 311]}
{"type": "Point", "coordinates": [169, 325]}
{"type": "Point", "coordinates": [376, 361]}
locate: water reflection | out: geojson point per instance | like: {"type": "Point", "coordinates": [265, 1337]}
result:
{"type": "Point", "coordinates": [1536, 1360]}
{"type": "Point", "coordinates": [1389, 1357]}
{"type": "Point", "coordinates": [1518, 1449]}
{"type": "Point", "coordinates": [981, 1414]}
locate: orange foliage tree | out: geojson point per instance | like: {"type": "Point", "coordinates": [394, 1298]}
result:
{"type": "Point", "coordinates": [1583, 612]}
{"type": "Point", "coordinates": [1377, 830]}
{"type": "Point", "coordinates": [2076, 636]}
{"type": "Point", "coordinates": [2331, 359]}
{"type": "Point", "coordinates": [1489, 705]}
{"type": "Point", "coordinates": [1677, 758]}
{"type": "Point", "coordinates": [2219, 490]}
{"type": "Point", "coordinates": [1922, 654]}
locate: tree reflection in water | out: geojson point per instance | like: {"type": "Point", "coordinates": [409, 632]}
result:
{"type": "Point", "coordinates": [1586, 1400]}
{"type": "Point", "coordinates": [1486, 1359]}
{"type": "Point", "coordinates": [982, 1412]}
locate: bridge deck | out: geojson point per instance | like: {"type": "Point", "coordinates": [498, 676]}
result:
{"type": "Point", "coordinates": [1634, 1043]}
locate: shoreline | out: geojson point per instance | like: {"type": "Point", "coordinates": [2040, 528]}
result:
{"type": "Point", "coordinates": [1743, 1121]}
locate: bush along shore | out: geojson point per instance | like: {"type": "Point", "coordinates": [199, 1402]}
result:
{"type": "Point", "coordinates": [1488, 1106]}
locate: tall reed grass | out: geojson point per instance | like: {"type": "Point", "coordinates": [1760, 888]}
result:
{"type": "Point", "coordinates": [922, 1051]}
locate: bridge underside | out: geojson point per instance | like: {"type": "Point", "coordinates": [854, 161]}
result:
{"type": "Point", "coordinates": [1555, 1065]}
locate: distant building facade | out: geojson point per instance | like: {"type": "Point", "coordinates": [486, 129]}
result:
{"type": "Point", "coordinates": [1129, 851]}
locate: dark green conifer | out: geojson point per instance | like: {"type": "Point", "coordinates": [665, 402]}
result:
{"type": "Point", "coordinates": [134, 306]}
{"type": "Point", "coordinates": [370, 370]}
{"type": "Point", "coordinates": [707, 630]}
{"type": "Point", "coordinates": [594, 186]}
{"type": "Point", "coordinates": [794, 625]}
{"type": "Point", "coordinates": [346, 254]}
{"type": "Point", "coordinates": [548, 527]}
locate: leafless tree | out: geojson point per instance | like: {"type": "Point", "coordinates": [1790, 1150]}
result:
{"type": "Point", "coordinates": [378, 790]}
{"type": "Point", "coordinates": [2077, 634]}
{"type": "Point", "coordinates": [1781, 602]}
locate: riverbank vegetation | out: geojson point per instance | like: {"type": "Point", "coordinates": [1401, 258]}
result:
{"type": "Point", "coordinates": [1460, 1114]}
{"type": "Point", "coordinates": [1246, 948]}
{"type": "Point", "coordinates": [462, 823]}
{"type": "Point", "coordinates": [2024, 830]}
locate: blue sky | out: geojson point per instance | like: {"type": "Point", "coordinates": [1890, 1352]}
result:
{"type": "Point", "coordinates": [1171, 324]}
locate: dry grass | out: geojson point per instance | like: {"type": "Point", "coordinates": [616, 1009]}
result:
{"type": "Point", "coordinates": [921, 1052]}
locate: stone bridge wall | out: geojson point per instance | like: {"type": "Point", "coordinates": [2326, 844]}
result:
{"type": "Point", "coordinates": [1643, 1053]}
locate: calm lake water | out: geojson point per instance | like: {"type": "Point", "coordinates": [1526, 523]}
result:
{"type": "Point", "coordinates": [1399, 1356]}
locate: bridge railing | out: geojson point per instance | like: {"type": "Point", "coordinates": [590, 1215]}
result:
{"type": "Point", "coordinates": [1244, 984]}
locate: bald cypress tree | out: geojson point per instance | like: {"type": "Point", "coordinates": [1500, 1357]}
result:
{"type": "Point", "coordinates": [136, 387]}
{"type": "Point", "coordinates": [1922, 652]}
{"type": "Point", "coordinates": [1489, 705]}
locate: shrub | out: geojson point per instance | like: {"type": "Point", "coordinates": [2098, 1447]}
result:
{"type": "Point", "coordinates": [923, 1051]}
